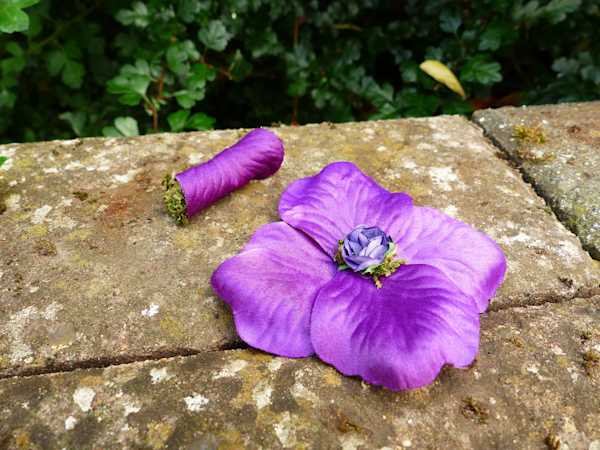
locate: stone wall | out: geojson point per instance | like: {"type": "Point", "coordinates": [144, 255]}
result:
{"type": "Point", "coordinates": [111, 337]}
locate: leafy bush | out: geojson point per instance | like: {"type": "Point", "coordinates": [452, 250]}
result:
{"type": "Point", "coordinates": [126, 67]}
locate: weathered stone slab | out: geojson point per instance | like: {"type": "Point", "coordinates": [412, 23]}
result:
{"type": "Point", "coordinates": [92, 270]}
{"type": "Point", "coordinates": [533, 384]}
{"type": "Point", "coordinates": [565, 167]}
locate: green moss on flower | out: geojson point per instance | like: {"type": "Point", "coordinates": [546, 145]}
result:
{"type": "Point", "coordinates": [174, 200]}
{"type": "Point", "coordinates": [385, 269]}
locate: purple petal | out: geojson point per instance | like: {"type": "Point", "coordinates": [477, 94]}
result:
{"type": "Point", "coordinates": [257, 155]}
{"type": "Point", "coordinates": [271, 286]}
{"type": "Point", "coordinates": [331, 204]}
{"type": "Point", "coordinates": [398, 336]}
{"type": "Point", "coordinates": [470, 258]}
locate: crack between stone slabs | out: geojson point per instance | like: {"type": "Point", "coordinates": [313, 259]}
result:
{"type": "Point", "coordinates": [111, 361]}
{"type": "Point", "coordinates": [120, 360]}
{"type": "Point", "coordinates": [514, 163]}
{"type": "Point", "coordinates": [583, 293]}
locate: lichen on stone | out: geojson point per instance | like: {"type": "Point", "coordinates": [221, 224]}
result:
{"type": "Point", "coordinates": [473, 409]}
{"type": "Point", "coordinates": [174, 200]}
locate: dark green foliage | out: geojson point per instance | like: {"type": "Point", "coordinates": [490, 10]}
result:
{"type": "Point", "coordinates": [121, 68]}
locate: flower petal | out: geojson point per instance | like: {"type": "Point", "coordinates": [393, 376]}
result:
{"type": "Point", "coordinates": [331, 204]}
{"type": "Point", "coordinates": [398, 336]}
{"type": "Point", "coordinates": [470, 258]}
{"type": "Point", "coordinates": [271, 286]}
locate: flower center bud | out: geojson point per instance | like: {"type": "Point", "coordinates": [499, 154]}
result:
{"type": "Point", "coordinates": [370, 251]}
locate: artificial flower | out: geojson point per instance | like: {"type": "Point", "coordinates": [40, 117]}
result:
{"type": "Point", "coordinates": [364, 279]}
{"type": "Point", "coordinates": [256, 156]}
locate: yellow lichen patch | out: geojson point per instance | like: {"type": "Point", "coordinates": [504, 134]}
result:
{"type": "Point", "coordinates": [332, 377]}
{"type": "Point", "coordinates": [563, 361]}
{"type": "Point", "coordinates": [252, 376]}
{"type": "Point", "coordinates": [91, 381]}
{"type": "Point", "coordinates": [96, 287]}
{"type": "Point", "coordinates": [79, 261]}
{"type": "Point", "coordinates": [172, 327]}
{"type": "Point", "coordinates": [23, 163]}
{"type": "Point", "coordinates": [185, 239]}
{"type": "Point", "coordinates": [35, 231]}
{"type": "Point", "coordinates": [20, 216]}
{"type": "Point", "coordinates": [79, 235]}
{"type": "Point", "coordinates": [60, 284]}
{"type": "Point", "coordinates": [231, 440]}
{"type": "Point", "coordinates": [159, 433]}
{"type": "Point", "coordinates": [22, 440]}
{"type": "Point", "coordinates": [254, 356]}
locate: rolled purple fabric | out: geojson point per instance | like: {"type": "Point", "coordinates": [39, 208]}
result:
{"type": "Point", "coordinates": [256, 156]}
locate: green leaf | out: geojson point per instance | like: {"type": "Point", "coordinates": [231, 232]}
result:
{"type": "Point", "coordinates": [13, 66]}
{"type": "Point", "coordinates": [179, 54]}
{"type": "Point", "coordinates": [127, 126]}
{"type": "Point", "coordinates": [12, 18]}
{"type": "Point", "coordinates": [204, 72]}
{"type": "Point", "coordinates": [410, 70]}
{"type": "Point", "coordinates": [494, 35]}
{"type": "Point", "coordinates": [132, 83]}
{"type": "Point", "coordinates": [297, 88]}
{"type": "Point", "coordinates": [138, 15]}
{"type": "Point", "coordinates": [200, 121]}
{"type": "Point", "coordinates": [479, 69]}
{"type": "Point", "coordinates": [7, 98]}
{"type": "Point", "coordinates": [417, 105]}
{"type": "Point", "coordinates": [111, 131]}
{"type": "Point", "coordinates": [450, 20]}
{"type": "Point", "coordinates": [556, 11]}
{"type": "Point", "coordinates": [264, 43]}
{"type": "Point", "coordinates": [239, 68]}
{"type": "Point", "coordinates": [188, 9]}
{"type": "Point", "coordinates": [76, 119]}
{"type": "Point", "coordinates": [188, 98]}
{"type": "Point", "coordinates": [457, 107]}
{"type": "Point", "coordinates": [214, 35]}
{"type": "Point", "coordinates": [177, 120]}
{"type": "Point", "coordinates": [3, 159]}
{"type": "Point", "coordinates": [72, 74]}
{"type": "Point", "coordinates": [565, 66]}
{"type": "Point", "coordinates": [56, 61]}
{"type": "Point", "coordinates": [591, 73]}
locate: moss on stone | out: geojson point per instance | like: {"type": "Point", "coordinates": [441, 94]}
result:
{"type": "Point", "coordinates": [174, 200]}
{"type": "Point", "coordinates": [533, 135]}
{"type": "Point", "coordinates": [591, 361]}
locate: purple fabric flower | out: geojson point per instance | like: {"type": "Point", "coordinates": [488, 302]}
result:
{"type": "Point", "coordinates": [364, 247]}
{"type": "Point", "coordinates": [257, 155]}
{"type": "Point", "coordinates": [288, 297]}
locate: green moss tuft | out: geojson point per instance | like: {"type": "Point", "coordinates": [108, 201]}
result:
{"type": "Point", "coordinates": [533, 135]}
{"type": "Point", "coordinates": [174, 200]}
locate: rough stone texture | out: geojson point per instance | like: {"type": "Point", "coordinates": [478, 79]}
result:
{"type": "Point", "coordinates": [92, 270]}
{"type": "Point", "coordinates": [565, 169]}
{"type": "Point", "coordinates": [530, 386]}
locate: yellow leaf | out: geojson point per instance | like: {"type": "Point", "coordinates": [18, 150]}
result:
{"type": "Point", "coordinates": [440, 72]}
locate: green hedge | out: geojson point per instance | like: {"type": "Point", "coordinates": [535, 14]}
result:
{"type": "Point", "coordinates": [82, 68]}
